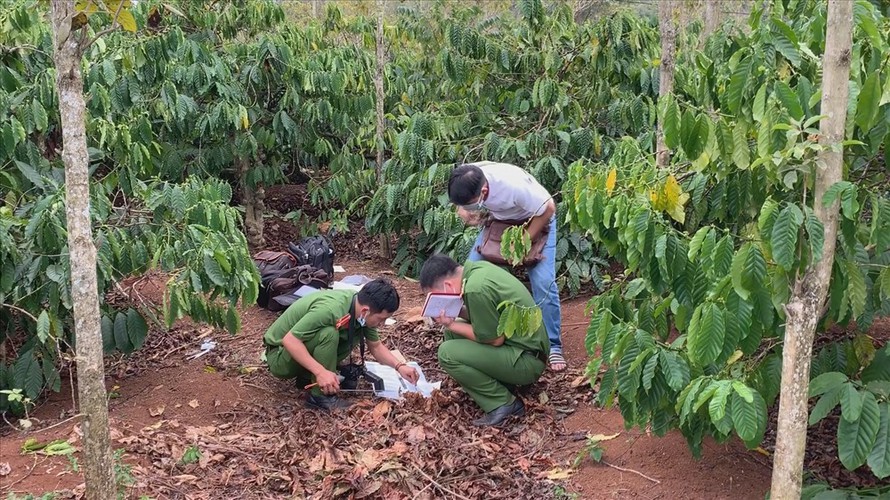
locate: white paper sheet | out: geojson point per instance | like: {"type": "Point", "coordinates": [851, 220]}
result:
{"type": "Point", "coordinates": [304, 291]}
{"type": "Point", "coordinates": [435, 304]}
{"type": "Point", "coordinates": [394, 385]}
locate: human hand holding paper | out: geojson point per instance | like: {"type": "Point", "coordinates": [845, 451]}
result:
{"type": "Point", "coordinates": [442, 304]}
{"type": "Point", "coordinates": [409, 373]}
{"type": "Point", "coordinates": [444, 320]}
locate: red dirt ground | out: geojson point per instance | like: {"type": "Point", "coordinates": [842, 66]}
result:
{"type": "Point", "coordinates": [163, 390]}
{"type": "Point", "coordinates": [725, 470]}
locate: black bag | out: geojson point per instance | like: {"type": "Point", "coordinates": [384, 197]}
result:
{"type": "Point", "coordinates": [282, 287]}
{"type": "Point", "coordinates": [271, 265]}
{"type": "Point", "coordinates": [281, 275]}
{"type": "Point", "coordinates": [316, 251]}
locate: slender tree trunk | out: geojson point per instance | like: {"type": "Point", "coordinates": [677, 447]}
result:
{"type": "Point", "coordinates": [810, 292]}
{"type": "Point", "coordinates": [385, 249]}
{"type": "Point", "coordinates": [712, 17]}
{"type": "Point", "coordinates": [668, 30]}
{"type": "Point", "coordinates": [252, 197]}
{"type": "Point", "coordinates": [67, 53]}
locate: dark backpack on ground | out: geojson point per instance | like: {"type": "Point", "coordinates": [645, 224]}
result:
{"type": "Point", "coordinates": [281, 274]}
{"type": "Point", "coordinates": [282, 287]}
{"type": "Point", "coordinates": [316, 251]}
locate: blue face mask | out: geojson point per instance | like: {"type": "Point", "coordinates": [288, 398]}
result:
{"type": "Point", "coordinates": [479, 205]}
{"type": "Point", "coordinates": [362, 321]}
{"type": "Point", "coordinates": [475, 207]}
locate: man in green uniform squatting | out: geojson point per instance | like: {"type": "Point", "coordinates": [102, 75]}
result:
{"type": "Point", "coordinates": [481, 361]}
{"type": "Point", "coordinates": [312, 337]}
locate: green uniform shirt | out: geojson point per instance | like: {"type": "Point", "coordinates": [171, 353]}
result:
{"type": "Point", "coordinates": [485, 287]}
{"type": "Point", "coordinates": [307, 316]}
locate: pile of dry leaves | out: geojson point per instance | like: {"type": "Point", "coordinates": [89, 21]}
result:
{"type": "Point", "coordinates": [418, 448]}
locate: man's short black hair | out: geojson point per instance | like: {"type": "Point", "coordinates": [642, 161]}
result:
{"type": "Point", "coordinates": [465, 184]}
{"type": "Point", "coordinates": [379, 295]}
{"type": "Point", "coordinates": [436, 268]}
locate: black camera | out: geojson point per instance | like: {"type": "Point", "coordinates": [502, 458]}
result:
{"type": "Point", "coordinates": [352, 372]}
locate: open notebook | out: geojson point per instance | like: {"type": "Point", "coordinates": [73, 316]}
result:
{"type": "Point", "coordinates": [436, 303]}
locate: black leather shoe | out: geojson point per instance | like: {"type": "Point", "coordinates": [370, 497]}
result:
{"type": "Point", "coordinates": [326, 403]}
{"type": "Point", "coordinates": [498, 415]}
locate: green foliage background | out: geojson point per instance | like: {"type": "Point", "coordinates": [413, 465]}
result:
{"type": "Point", "coordinates": [689, 337]}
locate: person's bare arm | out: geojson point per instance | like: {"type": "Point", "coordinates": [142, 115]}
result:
{"type": "Point", "coordinates": [327, 380]}
{"type": "Point", "coordinates": [383, 355]}
{"type": "Point", "coordinates": [538, 222]}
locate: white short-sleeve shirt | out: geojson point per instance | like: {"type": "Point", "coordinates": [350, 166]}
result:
{"type": "Point", "coordinates": [513, 193]}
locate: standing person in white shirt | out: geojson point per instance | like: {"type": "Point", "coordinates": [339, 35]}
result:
{"type": "Point", "coordinates": [508, 192]}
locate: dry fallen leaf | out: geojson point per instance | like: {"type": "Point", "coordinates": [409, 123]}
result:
{"type": "Point", "coordinates": [381, 410]}
{"type": "Point", "coordinates": [371, 459]}
{"type": "Point", "coordinates": [316, 463]}
{"type": "Point", "coordinates": [556, 474]}
{"type": "Point", "coordinates": [155, 426]}
{"type": "Point", "coordinates": [194, 403]}
{"type": "Point", "coordinates": [185, 478]}
{"type": "Point", "coordinates": [602, 437]}
{"type": "Point", "coordinates": [157, 412]}
{"type": "Point", "coordinates": [543, 398]}
{"type": "Point", "coordinates": [523, 464]}
{"type": "Point", "coordinates": [5, 469]}
{"type": "Point", "coordinates": [579, 381]}
{"type": "Point", "coordinates": [416, 434]}
{"type": "Point", "coordinates": [369, 489]}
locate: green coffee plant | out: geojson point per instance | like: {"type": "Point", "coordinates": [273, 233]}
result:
{"type": "Point", "coordinates": [714, 243]}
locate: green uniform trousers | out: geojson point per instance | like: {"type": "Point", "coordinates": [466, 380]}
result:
{"type": "Point", "coordinates": [323, 347]}
{"type": "Point", "coordinates": [482, 369]}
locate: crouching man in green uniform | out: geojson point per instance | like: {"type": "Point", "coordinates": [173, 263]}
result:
{"type": "Point", "coordinates": [312, 336]}
{"type": "Point", "coordinates": [481, 361]}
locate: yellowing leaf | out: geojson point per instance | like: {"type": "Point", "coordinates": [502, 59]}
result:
{"type": "Point", "coordinates": [671, 199]}
{"type": "Point", "coordinates": [245, 122]}
{"type": "Point", "coordinates": [610, 181]}
{"type": "Point", "coordinates": [735, 357]}
{"type": "Point", "coordinates": [127, 21]}
{"type": "Point", "coordinates": [671, 191]}
{"type": "Point", "coordinates": [86, 6]}
{"type": "Point", "coordinates": [557, 474]}
{"type": "Point", "coordinates": [676, 211]}
{"type": "Point", "coordinates": [602, 437]}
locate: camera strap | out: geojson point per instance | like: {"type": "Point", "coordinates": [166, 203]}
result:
{"type": "Point", "coordinates": [353, 321]}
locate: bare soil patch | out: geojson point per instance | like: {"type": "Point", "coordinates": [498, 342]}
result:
{"type": "Point", "coordinates": [256, 440]}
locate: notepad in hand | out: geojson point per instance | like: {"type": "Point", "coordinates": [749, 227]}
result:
{"type": "Point", "coordinates": [437, 302]}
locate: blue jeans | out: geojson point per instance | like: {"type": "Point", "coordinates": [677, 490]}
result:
{"type": "Point", "coordinates": [544, 289]}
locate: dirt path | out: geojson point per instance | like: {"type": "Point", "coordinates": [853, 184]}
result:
{"type": "Point", "coordinates": [256, 440]}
